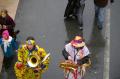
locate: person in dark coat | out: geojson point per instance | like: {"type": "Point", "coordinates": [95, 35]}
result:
{"type": "Point", "coordinates": [70, 8]}
{"type": "Point", "coordinates": [6, 19]}
{"type": "Point", "coordinates": [75, 10]}
{"type": "Point", "coordinates": [100, 6]}
{"type": "Point", "coordinates": [6, 22]}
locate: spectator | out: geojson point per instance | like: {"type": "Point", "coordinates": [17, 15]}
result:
{"type": "Point", "coordinates": [6, 22]}
{"type": "Point", "coordinates": [100, 6]}
{"type": "Point", "coordinates": [9, 46]}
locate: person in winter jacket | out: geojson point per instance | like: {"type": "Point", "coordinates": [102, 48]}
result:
{"type": "Point", "coordinates": [9, 47]}
{"type": "Point", "coordinates": [75, 10]}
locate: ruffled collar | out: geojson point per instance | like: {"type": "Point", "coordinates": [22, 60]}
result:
{"type": "Point", "coordinates": [9, 40]}
{"type": "Point", "coordinates": [6, 43]}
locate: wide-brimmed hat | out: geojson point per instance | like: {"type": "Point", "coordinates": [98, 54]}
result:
{"type": "Point", "coordinates": [77, 42]}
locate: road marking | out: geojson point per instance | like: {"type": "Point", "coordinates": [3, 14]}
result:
{"type": "Point", "coordinates": [107, 47]}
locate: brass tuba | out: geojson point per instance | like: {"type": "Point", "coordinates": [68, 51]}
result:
{"type": "Point", "coordinates": [33, 60]}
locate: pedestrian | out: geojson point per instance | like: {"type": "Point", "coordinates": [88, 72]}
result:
{"type": "Point", "coordinates": [76, 52]}
{"type": "Point", "coordinates": [100, 10]}
{"type": "Point", "coordinates": [9, 47]}
{"type": "Point", "coordinates": [29, 64]}
{"type": "Point", "coordinates": [75, 9]}
{"type": "Point", "coordinates": [6, 22]}
{"type": "Point", "coordinates": [69, 11]}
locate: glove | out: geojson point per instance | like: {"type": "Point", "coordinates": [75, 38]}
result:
{"type": "Point", "coordinates": [19, 65]}
{"type": "Point", "coordinates": [42, 66]}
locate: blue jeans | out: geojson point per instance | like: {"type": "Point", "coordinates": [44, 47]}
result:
{"type": "Point", "coordinates": [100, 16]}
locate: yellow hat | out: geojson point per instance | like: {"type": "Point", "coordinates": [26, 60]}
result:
{"type": "Point", "coordinates": [78, 42]}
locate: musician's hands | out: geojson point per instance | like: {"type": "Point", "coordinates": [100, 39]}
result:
{"type": "Point", "coordinates": [81, 55]}
{"type": "Point", "coordinates": [37, 70]}
{"type": "Point", "coordinates": [69, 61]}
{"type": "Point", "coordinates": [42, 66]}
{"type": "Point", "coordinates": [83, 70]}
{"type": "Point", "coordinates": [69, 58]}
{"type": "Point", "coordinates": [19, 65]}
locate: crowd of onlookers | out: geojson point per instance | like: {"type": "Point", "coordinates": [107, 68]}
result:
{"type": "Point", "coordinates": [7, 23]}
{"type": "Point", "coordinates": [7, 37]}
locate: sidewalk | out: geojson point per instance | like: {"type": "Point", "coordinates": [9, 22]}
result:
{"type": "Point", "coordinates": [11, 6]}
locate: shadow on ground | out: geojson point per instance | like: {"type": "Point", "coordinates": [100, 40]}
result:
{"type": "Point", "coordinates": [72, 29]}
{"type": "Point", "coordinates": [96, 45]}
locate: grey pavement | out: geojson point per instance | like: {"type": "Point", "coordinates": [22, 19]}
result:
{"type": "Point", "coordinates": [44, 20]}
{"type": "Point", "coordinates": [115, 39]}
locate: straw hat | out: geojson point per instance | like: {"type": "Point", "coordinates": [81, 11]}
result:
{"type": "Point", "coordinates": [77, 42]}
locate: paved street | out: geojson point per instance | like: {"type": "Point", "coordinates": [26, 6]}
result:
{"type": "Point", "coordinates": [115, 38]}
{"type": "Point", "coordinates": [44, 20]}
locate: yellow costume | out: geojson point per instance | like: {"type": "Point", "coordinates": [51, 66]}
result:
{"type": "Point", "coordinates": [26, 72]}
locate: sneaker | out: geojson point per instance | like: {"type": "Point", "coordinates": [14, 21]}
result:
{"type": "Point", "coordinates": [100, 27]}
{"type": "Point", "coordinates": [75, 17]}
{"type": "Point", "coordinates": [67, 18]}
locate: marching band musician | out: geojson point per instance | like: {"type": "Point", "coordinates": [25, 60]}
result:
{"type": "Point", "coordinates": [22, 69]}
{"type": "Point", "coordinates": [77, 53]}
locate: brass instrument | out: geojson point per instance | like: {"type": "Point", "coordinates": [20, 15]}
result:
{"type": "Point", "coordinates": [67, 65]}
{"type": "Point", "coordinates": [33, 60]}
